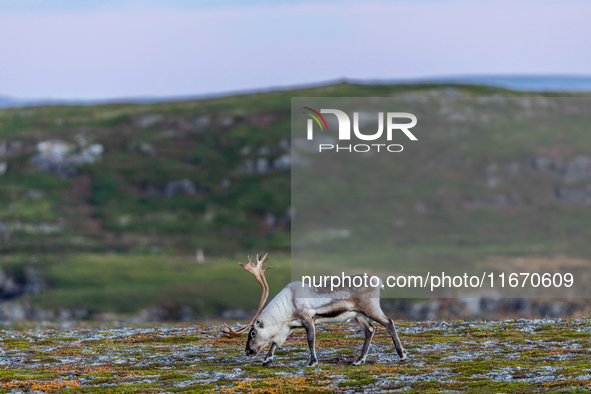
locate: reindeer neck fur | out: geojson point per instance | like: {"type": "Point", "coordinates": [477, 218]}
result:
{"type": "Point", "coordinates": [279, 313]}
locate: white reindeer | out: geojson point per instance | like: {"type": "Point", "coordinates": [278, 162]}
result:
{"type": "Point", "coordinates": [289, 310]}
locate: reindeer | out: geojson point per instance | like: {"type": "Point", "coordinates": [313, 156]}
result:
{"type": "Point", "coordinates": [289, 310]}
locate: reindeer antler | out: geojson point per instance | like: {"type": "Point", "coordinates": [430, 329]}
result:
{"type": "Point", "coordinates": [259, 273]}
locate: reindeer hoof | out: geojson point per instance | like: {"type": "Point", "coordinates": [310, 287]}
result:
{"type": "Point", "coordinates": [313, 363]}
{"type": "Point", "coordinates": [359, 362]}
{"type": "Point", "coordinates": [266, 362]}
{"type": "Point", "coordinates": [404, 356]}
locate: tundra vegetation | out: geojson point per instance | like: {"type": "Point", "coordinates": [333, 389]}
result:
{"type": "Point", "coordinates": [510, 356]}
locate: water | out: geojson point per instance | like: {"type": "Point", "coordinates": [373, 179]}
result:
{"type": "Point", "coordinates": [534, 83]}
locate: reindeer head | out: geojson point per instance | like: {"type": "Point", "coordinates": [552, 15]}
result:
{"type": "Point", "coordinates": [258, 337]}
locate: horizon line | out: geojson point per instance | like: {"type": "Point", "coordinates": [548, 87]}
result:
{"type": "Point", "coordinates": [462, 79]}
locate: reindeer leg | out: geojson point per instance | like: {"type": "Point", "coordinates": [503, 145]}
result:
{"type": "Point", "coordinates": [311, 334]}
{"type": "Point", "coordinates": [369, 331]}
{"type": "Point", "coordinates": [385, 321]}
{"type": "Point", "coordinates": [270, 354]}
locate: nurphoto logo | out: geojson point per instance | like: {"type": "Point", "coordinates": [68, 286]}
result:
{"type": "Point", "coordinates": [344, 130]}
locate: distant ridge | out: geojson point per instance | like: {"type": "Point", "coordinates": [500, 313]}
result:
{"type": "Point", "coordinates": [7, 102]}
{"type": "Point", "coordinates": [524, 83]}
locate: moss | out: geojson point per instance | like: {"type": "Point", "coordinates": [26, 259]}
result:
{"type": "Point", "coordinates": [360, 382]}
{"type": "Point", "coordinates": [181, 360]}
{"type": "Point", "coordinates": [175, 376]}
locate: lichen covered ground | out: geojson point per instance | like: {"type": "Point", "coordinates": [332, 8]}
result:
{"type": "Point", "coordinates": [549, 355]}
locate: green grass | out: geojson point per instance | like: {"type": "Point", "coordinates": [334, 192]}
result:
{"type": "Point", "coordinates": [119, 247]}
{"type": "Point", "coordinates": [110, 198]}
{"type": "Point", "coordinates": [128, 283]}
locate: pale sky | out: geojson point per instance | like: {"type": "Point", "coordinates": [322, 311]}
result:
{"type": "Point", "coordinates": [90, 49]}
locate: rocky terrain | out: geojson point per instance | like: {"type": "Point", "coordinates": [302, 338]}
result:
{"type": "Point", "coordinates": [548, 355]}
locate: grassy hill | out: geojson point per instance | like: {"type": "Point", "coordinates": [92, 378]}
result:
{"type": "Point", "coordinates": [132, 198]}
{"type": "Point", "coordinates": [171, 178]}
